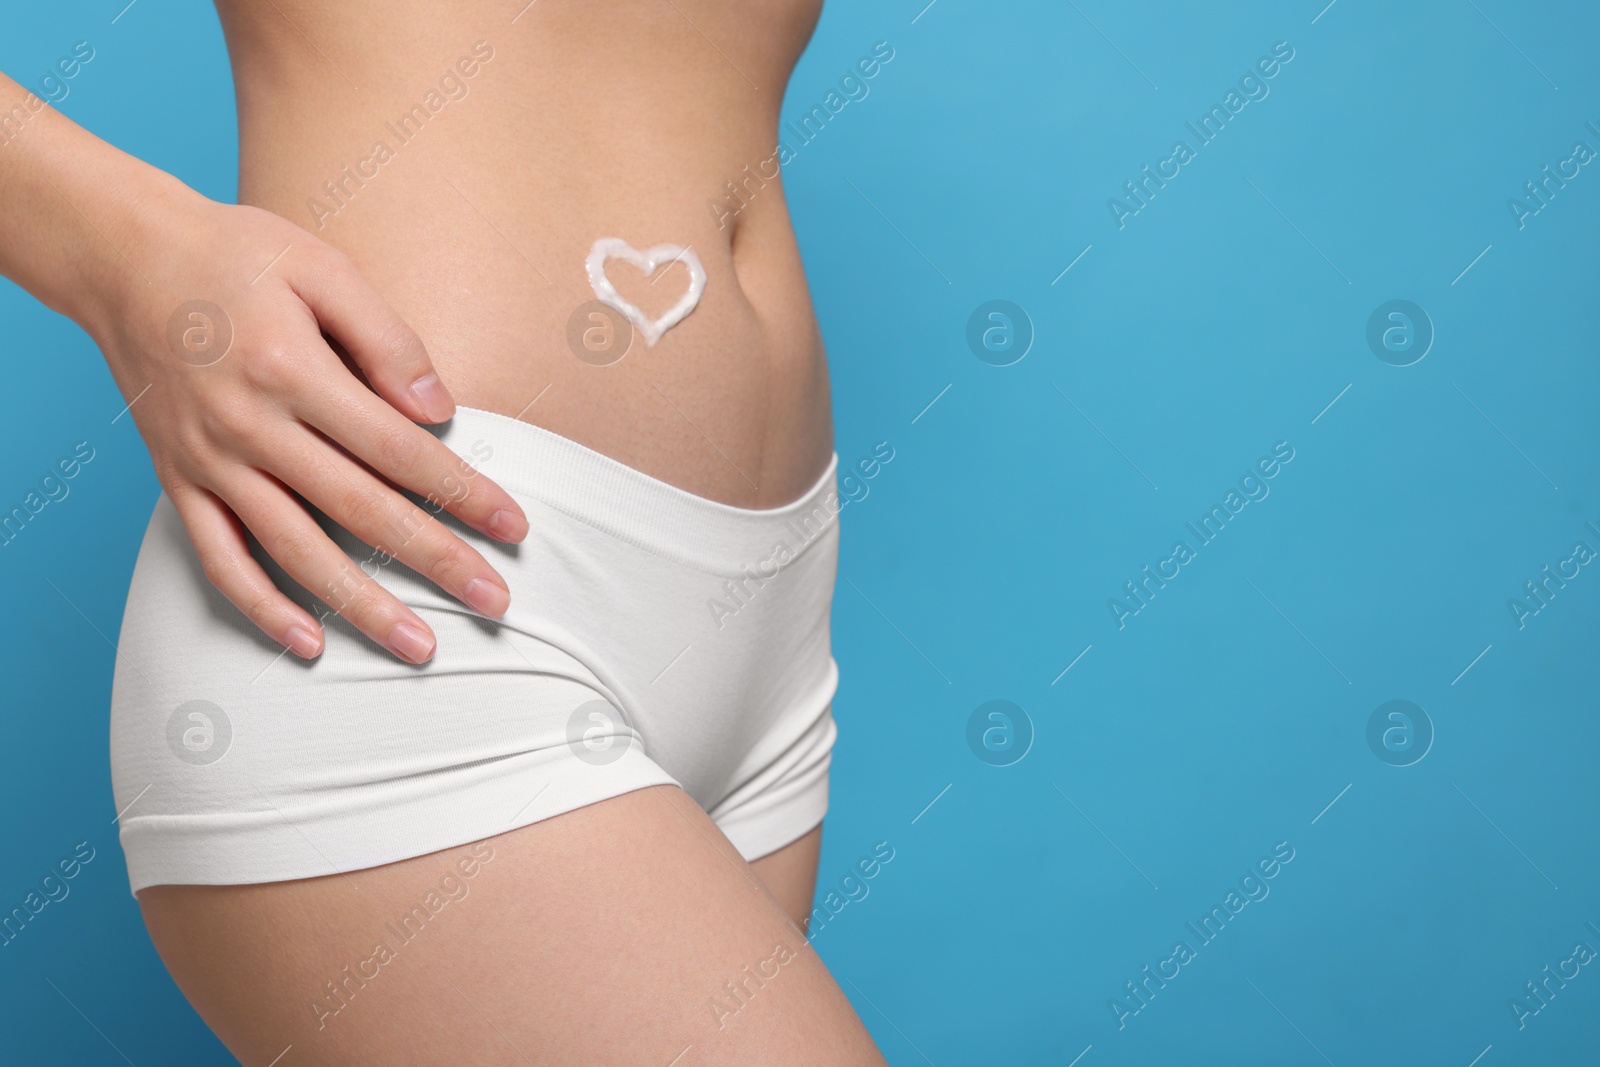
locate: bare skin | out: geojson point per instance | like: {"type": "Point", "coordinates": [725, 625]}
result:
{"type": "Point", "coordinates": [618, 119]}
{"type": "Point", "coordinates": [607, 935]}
{"type": "Point", "coordinates": [449, 274]}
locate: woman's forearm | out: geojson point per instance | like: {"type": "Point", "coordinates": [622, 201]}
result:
{"type": "Point", "coordinates": [71, 209]}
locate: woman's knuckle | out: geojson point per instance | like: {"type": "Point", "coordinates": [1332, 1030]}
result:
{"type": "Point", "coordinates": [259, 608]}
{"type": "Point", "coordinates": [408, 524]}
{"type": "Point", "coordinates": [331, 260]}
{"type": "Point", "coordinates": [366, 512]}
{"type": "Point", "coordinates": [271, 367]}
{"type": "Point", "coordinates": [398, 445]}
{"type": "Point", "coordinates": [448, 556]}
{"type": "Point", "coordinates": [400, 342]}
{"type": "Point", "coordinates": [169, 473]}
{"type": "Point", "coordinates": [451, 488]}
{"type": "Point", "coordinates": [217, 567]}
{"type": "Point", "coordinates": [292, 551]}
{"type": "Point", "coordinates": [348, 591]}
{"type": "Point", "coordinates": [229, 421]}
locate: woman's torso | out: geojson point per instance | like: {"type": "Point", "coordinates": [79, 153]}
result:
{"type": "Point", "coordinates": [471, 200]}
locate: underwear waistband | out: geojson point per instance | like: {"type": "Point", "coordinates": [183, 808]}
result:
{"type": "Point", "coordinates": [531, 461]}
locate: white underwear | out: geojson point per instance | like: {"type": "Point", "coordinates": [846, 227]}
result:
{"type": "Point", "coordinates": [654, 637]}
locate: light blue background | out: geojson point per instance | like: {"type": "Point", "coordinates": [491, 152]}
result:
{"type": "Point", "coordinates": [1225, 716]}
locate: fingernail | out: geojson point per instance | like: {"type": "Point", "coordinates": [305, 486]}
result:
{"type": "Point", "coordinates": [431, 395]}
{"type": "Point", "coordinates": [410, 643]}
{"type": "Point", "coordinates": [508, 526]}
{"type": "Point", "coordinates": [486, 598]}
{"type": "Point", "coordinates": [302, 642]}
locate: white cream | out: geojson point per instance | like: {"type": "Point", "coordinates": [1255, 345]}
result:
{"type": "Point", "coordinates": [648, 261]}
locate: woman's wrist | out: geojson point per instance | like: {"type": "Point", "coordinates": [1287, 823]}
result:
{"type": "Point", "coordinates": [136, 215]}
{"type": "Point", "coordinates": [76, 219]}
{"type": "Point", "coordinates": [145, 214]}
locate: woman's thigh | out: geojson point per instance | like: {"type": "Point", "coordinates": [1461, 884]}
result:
{"type": "Point", "coordinates": [791, 875]}
{"type": "Point", "coordinates": [627, 931]}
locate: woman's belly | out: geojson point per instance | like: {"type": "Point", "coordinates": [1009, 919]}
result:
{"type": "Point", "coordinates": [467, 156]}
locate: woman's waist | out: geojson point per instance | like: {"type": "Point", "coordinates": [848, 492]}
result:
{"type": "Point", "coordinates": [469, 171]}
{"type": "Point", "coordinates": [614, 307]}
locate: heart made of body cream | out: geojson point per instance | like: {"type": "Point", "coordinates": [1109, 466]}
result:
{"type": "Point", "coordinates": [649, 261]}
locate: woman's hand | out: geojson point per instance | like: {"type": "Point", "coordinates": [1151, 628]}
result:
{"type": "Point", "coordinates": [216, 338]}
